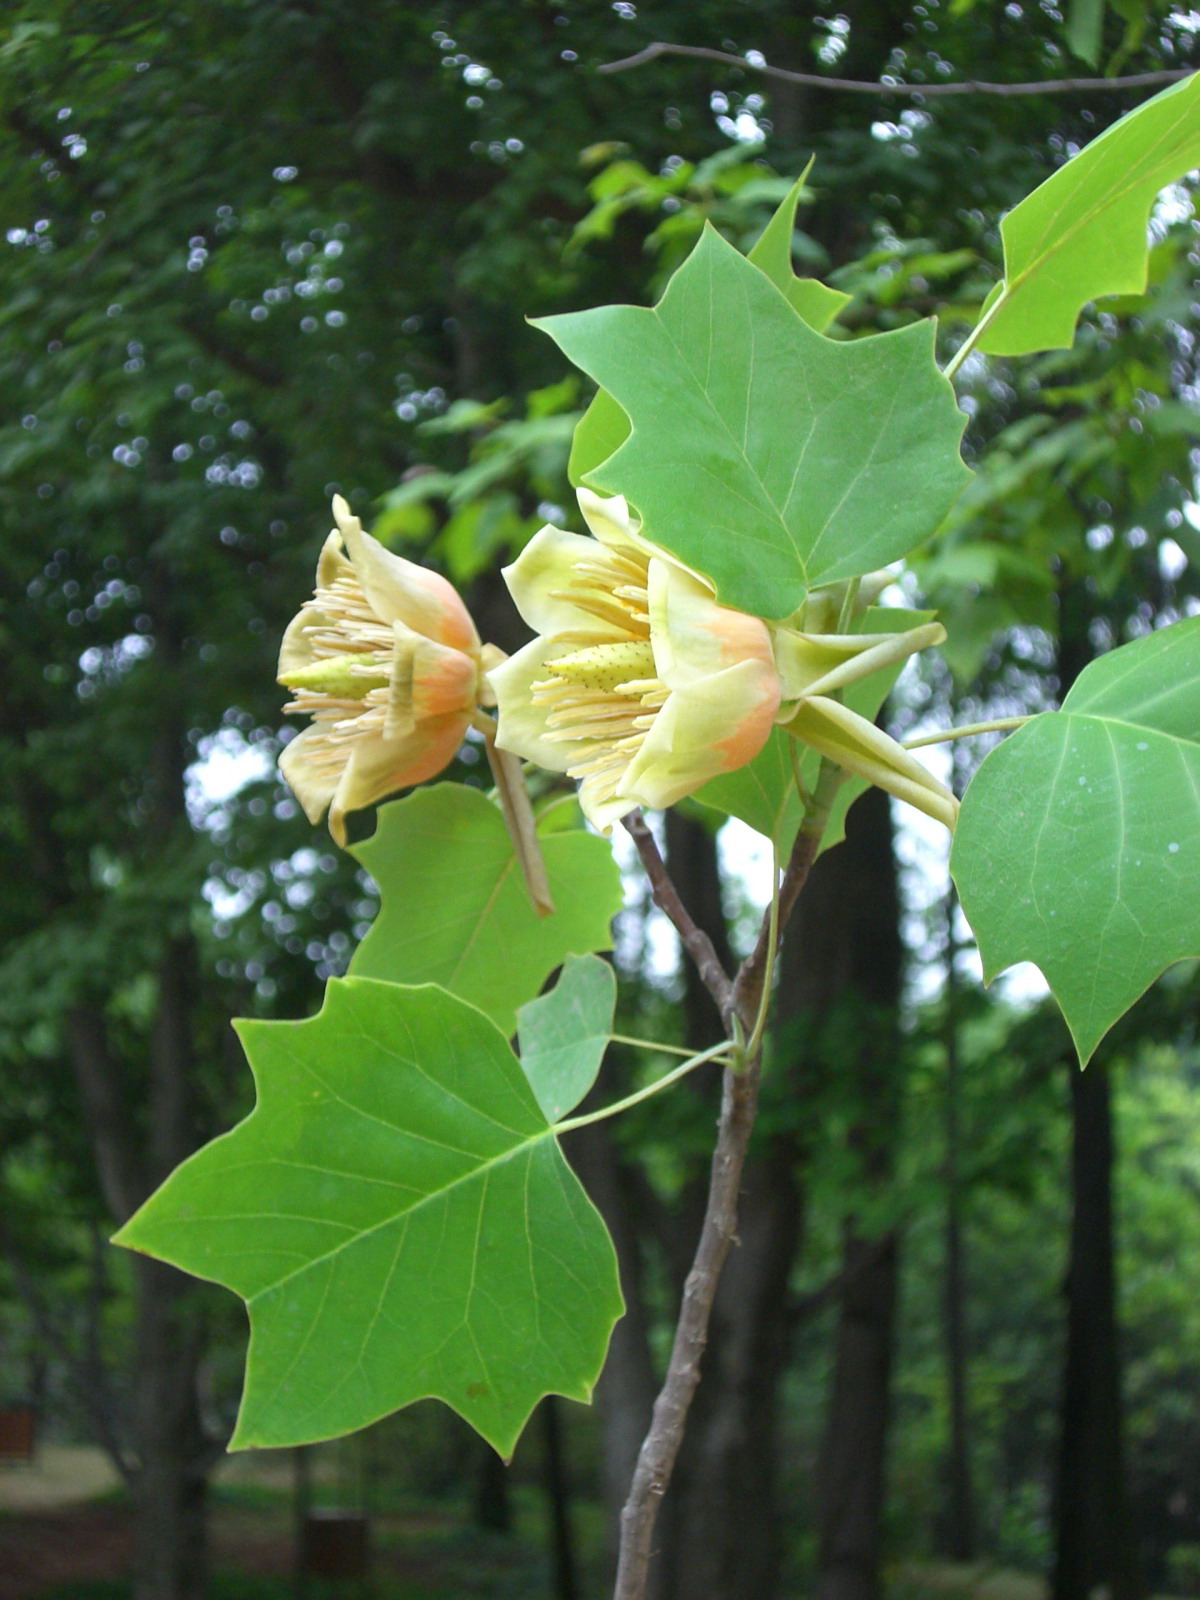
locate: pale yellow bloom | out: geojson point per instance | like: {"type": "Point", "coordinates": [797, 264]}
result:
{"type": "Point", "coordinates": [386, 661]}
{"type": "Point", "coordinates": [639, 684]}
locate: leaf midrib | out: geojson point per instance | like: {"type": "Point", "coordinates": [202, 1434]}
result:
{"type": "Point", "coordinates": [464, 1178]}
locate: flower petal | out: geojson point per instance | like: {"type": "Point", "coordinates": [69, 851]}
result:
{"type": "Point", "coordinates": [332, 563]}
{"type": "Point", "coordinates": [610, 519]}
{"type": "Point", "coordinates": [295, 649]}
{"type": "Point", "coordinates": [693, 636]}
{"type": "Point", "coordinates": [378, 767]}
{"type": "Point", "coordinates": [308, 772]}
{"type": "Point", "coordinates": [400, 591]}
{"type": "Point", "coordinates": [709, 726]}
{"type": "Point", "coordinates": [601, 806]}
{"type": "Point", "coordinates": [541, 577]}
{"type": "Point", "coordinates": [521, 728]}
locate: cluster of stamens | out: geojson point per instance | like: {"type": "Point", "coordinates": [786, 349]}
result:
{"type": "Point", "coordinates": [353, 637]}
{"type": "Point", "coordinates": [604, 695]}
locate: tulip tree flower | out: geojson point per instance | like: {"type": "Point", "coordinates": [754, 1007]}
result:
{"type": "Point", "coordinates": [639, 684]}
{"type": "Point", "coordinates": [385, 659]}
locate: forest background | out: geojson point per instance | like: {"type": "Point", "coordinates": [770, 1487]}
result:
{"type": "Point", "coordinates": [262, 251]}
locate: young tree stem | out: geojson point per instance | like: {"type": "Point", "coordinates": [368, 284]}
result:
{"type": "Point", "coordinates": [739, 1003]}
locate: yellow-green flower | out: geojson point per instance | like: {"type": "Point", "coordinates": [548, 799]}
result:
{"type": "Point", "coordinates": [639, 684]}
{"type": "Point", "coordinates": [386, 661]}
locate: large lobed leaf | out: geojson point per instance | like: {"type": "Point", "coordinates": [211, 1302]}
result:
{"type": "Point", "coordinates": [1078, 844]}
{"type": "Point", "coordinates": [604, 427]}
{"type": "Point", "coordinates": [454, 909]}
{"type": "Point", "coordinates": [400, 1221]}
{"type": "Point", "coordinates": [1082, 233]}
{"type": "Point", "coordinates": [765, 456]}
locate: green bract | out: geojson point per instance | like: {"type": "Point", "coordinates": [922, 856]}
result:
{"type": "Point", "coordinates": [766, 456]}
{"type": "Point", "coordinates": [1078, 844]}
{"type": "Point", "coordinates": [400, 1221]}
{"type": "Point", "coordinates": [454, 908]}
{"type": "Point", "coordinates": [1082, 233]}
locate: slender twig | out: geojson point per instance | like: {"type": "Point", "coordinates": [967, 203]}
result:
{"type": "Point", "coordinates": [996, 725]}
{"type": "Point", "coordinates": [816, 80]}
{"type": "Point", "coordinates": [718, 1052]}
{"type": "Point", "coordinates": [749, 983]}
{"type": "Point", "coordinates": [754, 1044]}
{"type": "Point", "coordinates": [666, 897]}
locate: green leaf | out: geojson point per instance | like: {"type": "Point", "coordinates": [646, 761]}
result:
{"type": "Point", "coordinates": [600, 433]}
{"type": "Point", "coordinates": [455, 910]}
{"type": "Point", "coordinates": [763, 794]}
{"type": "Point", "coordinates": [764, 455]}
{"type": "Point", "coordinates": [1078, 844]}
{"type": "Point", "coordinates": [1085, 29]}
{"type": "Point", "coordinates": [811, 299]}
{"type": "Point", "coordinates": [563, 1035]}
{"type": "Point", "coordinates": [400, 1221]}
{"type": "Point", "coordinates": [1082, 233]}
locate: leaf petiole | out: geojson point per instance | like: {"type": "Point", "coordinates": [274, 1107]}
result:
{"type": "Point", "coordinates": [650, 1044]}
{"type": "Point", "coordinates": [717, 1052]}
{"type": "Point", "coordinates": [996, 725]}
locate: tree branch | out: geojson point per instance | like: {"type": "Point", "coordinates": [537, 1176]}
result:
{"type": "Point", "coordinates": [666, 897]}
{"type": "Point", "coordinates": [739, 1106]}
{"type": "Point", "coordinates": [815, 80]}
{"type": "Point", "coordinates": [656, 1460]}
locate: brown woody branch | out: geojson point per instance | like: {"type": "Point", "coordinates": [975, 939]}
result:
{"type": "Point", "coordinates": [815, 80]}
{"type": "Point", "coordinates": [738, 1002]}
{"type": "Point", "coordinates": [666, 897]}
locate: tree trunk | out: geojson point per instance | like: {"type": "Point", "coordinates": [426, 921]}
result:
{"type": "Point", "coordinates": [172, 1450]}
{"type": "Point", "coordinates": [171, 1484]}
{"type": "Point", "coordinates": [557, 1480]}
{"type": "Point", "coordinates": [1095, 1535]}
{"type": "Point", "coordinates": [960, 1498]}
{"type": "Point", "coordinates": [850, 1473]}
{"type": "Point", "coordinates": [855, 915]}
{"type": "Point", "coordinates": [1095, 1540]}
{"type": "Point", "coordinates": [626, 1388]}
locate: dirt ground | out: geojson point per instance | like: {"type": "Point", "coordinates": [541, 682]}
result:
{"type": "Point", "coordinates": [54, 1531]}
